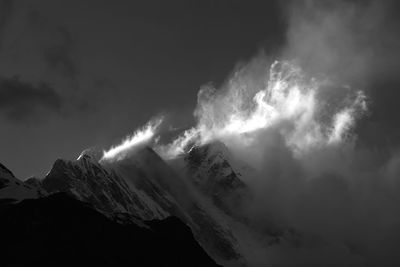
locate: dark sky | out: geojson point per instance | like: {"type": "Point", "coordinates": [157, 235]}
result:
{"type": "Point", "coordinates": [77, 74]}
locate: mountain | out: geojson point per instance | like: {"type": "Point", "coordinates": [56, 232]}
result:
{"type": "Point", "coordinates": [145, 210]}
{"type": "Point", "coordinates": [139, 188]}
{"type": "Point", "coordinates": [34, 216]}
{"type": "Point", "coordinates": [206, 193]}
{"type": "Point", "coordinates": [58, 230]}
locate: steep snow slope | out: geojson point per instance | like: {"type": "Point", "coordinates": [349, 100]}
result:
{"type": "Point", "coordinates": [88, 181]}
{"type": "Point", "coordinates": [146, 170]}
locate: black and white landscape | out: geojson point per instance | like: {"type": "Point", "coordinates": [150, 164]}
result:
{"type": "Point", "coordinates": [199, 133]}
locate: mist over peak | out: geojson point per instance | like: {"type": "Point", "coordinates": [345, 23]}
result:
{"type": "Point", "coordinates": [271, 129]}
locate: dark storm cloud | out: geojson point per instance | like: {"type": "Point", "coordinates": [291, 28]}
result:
{"type": "Point", "coordinates": [21, 100]}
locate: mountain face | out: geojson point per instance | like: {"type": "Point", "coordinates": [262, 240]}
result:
{"type": "Point", "coordinates": [211, 170]}
{"type": "Point", "coordinates": [139, 188]}
{"type": "Point", "coordinates": [204, 191]}
{"type": "Point", "coordinates": [58, 230]}
{"type": "Point", "coordinates": [88, 181]}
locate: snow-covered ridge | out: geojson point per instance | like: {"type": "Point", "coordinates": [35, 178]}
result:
{"type": "Point", "coordinates": [88, 181]}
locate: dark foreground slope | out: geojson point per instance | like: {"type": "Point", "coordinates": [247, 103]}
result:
{"type": "Point", "coordinates": [61, 231]}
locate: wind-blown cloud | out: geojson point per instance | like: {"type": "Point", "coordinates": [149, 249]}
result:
{"type": "Point", "coordinates": [294, 123]}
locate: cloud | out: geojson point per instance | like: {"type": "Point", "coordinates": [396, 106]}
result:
{"type": "Point", "coordinates": [20, 100]}
{"type": "Point", "coordinates": [355, 41]}
{"type": "Point", "coordinates": [346, 194]}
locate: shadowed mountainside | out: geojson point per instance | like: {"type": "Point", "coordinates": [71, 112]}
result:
{"type": "Point", "coordinates": [60, 231]}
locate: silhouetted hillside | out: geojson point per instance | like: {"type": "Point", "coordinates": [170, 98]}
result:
{"type": "Point", "coordinates": [61, 231]}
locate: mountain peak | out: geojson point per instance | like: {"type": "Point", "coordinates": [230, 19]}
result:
{"type": "Point", "coordinates": [214, 151]}
{"type": "Point", "coordinates": [6, 173]}
{"type": "Point", "coordinates": [93, 153]}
